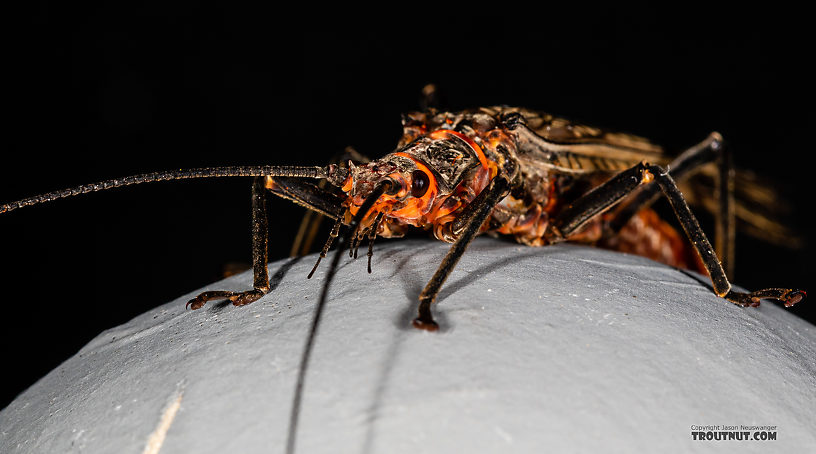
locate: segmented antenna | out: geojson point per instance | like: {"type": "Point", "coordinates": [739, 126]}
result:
{"type": "Point", "coordinates": [333, 174]}
{"type": "Point", "coordinates": [307, 349]}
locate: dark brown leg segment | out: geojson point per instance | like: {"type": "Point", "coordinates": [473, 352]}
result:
{"type": "Point", "coordinates": [307, 231]}
{"type": "Point", "coordinates": [482, 206]}
{"type": "Point", "coordinates": [689, 162]}
{"type": "Point", "coordinates": [726, 225]}
{"type": "Point", "coordinates": [605, 196]}
{"type": "Point", "coordinates": [698, 239]}
{"type": "Point", "coordinates": [260, 255]}
{"type": "Point", "coordinates": [310, 224]}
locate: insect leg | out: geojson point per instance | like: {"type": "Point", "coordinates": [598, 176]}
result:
{"type": "Point", "coordinates": [482, 206]}
{"type": "Point", "coordinates": [689, 162]}
{"type": "Point", "coordinates": [260, 255]}
{"type": "Point", "coordinates": [597, 201]}
{"type": "Point", "coordinates": [310, 224]}
{"type": "Point", "coordinates": [307, 194]}
{"type": "Point", "coordinates": [608, 194]}
{"type": "Point", "coordinates": [307, 231]}
{"type": "Point", "coordinates": [725, 232]}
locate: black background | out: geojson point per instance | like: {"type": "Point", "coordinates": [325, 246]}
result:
{"type": "Point", "coordinates": [96, 93]}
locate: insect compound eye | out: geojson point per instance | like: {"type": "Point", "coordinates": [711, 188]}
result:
{"type": "Point", "coordinates": [419, 183]}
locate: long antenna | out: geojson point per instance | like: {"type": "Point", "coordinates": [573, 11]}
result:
{"type": "Point", "coordinates": [334, 174]}
{"type": "Point", "coordinates": [307, 350]}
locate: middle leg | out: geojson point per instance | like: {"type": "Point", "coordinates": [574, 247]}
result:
{"type": "Point", "coordinates": [479, 209]}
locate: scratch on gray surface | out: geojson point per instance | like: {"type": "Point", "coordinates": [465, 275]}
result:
{"type": "Point", "coordinates": [503, 434]}
{"type": "Point", "coordinates": [156, 439]}
{"type": "Point", "coordinates": [650, 267]}
{"type": "Point", "coordinates": [691, 285]}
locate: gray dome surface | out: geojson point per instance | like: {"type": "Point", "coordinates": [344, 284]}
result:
{"type": "Point", "coordinates": [563, 348]}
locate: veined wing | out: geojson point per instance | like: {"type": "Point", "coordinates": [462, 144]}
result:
{"type": "Point", "coordinates": [566, 146]}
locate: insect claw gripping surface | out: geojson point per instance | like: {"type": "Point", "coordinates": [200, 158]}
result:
{"type": "Point", "coordinates": [424, 320]}
{"type": "Point", "coordinates": [427, 325]}
{"type": "Point", "coordinates": [237, 298]}
{"type": "Point", "coordinates": [788, 297]}
{"type": "Point", "coordinates": [795, 297]}
{"type": "Point", "coordinates": [195, 303]}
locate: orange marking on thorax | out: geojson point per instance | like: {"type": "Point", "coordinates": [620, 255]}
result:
{"type": "Point", "coordinates": [446, 133]}
{"type": "Point", "coordinates": [428, 209]}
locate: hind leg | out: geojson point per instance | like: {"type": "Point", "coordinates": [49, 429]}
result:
{"type": "Point", "coordinates": [623, 184]}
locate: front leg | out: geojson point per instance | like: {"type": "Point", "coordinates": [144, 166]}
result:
{"type": "Point", "coordinates": [260, 255]}
{"type": "Point", "coordinates": [467, 229]}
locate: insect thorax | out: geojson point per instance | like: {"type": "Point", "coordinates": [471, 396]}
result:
{"type": "Point", "coordinates": [459, 153]}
